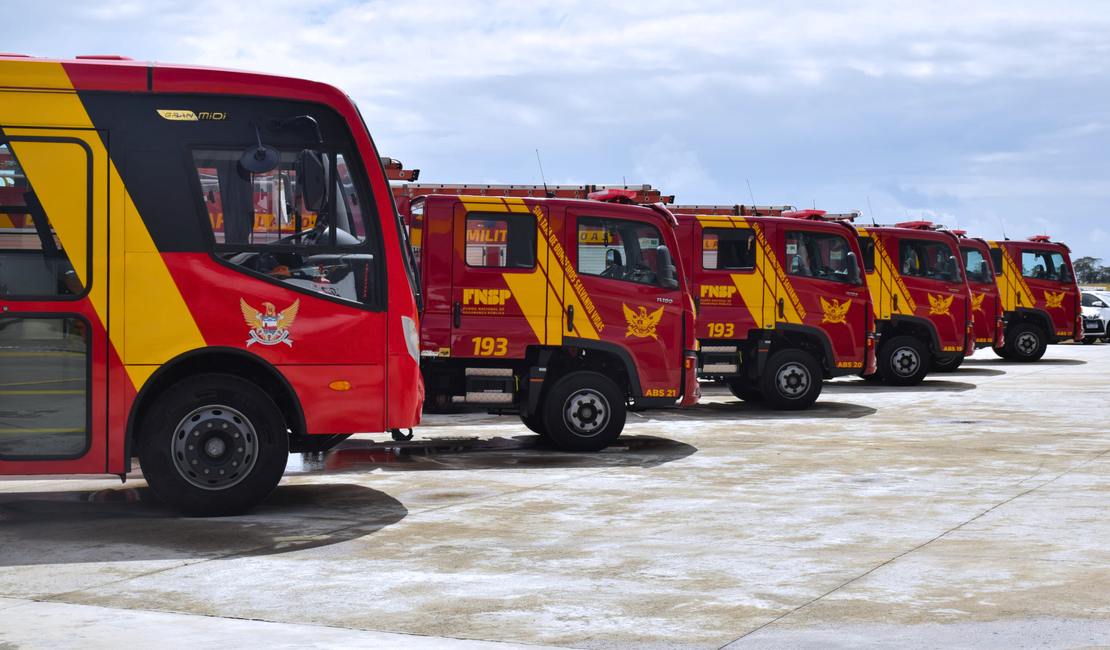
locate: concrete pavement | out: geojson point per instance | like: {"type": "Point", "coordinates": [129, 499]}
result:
{"type": "Point", "coordinates": [969, 511]}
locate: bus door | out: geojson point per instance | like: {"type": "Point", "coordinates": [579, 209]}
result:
{"type": "Point", "coordinates": [1052, 286]}
{"type": "Point", "coordinates": [498, 290]}
{"type": "Point", "coordinates": [817, 270]}
{"type": "Point", "coordinates": [613, 294]}
{"type": "Point", "coordinates": [53, 301]}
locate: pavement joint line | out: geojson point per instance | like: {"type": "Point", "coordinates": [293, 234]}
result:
{"type": "Point", "coordinates": [264, 620]}
{"type": "Point", "coordinates": [914, 549]}
{"type": "Point", "coordinates": [14, 605]}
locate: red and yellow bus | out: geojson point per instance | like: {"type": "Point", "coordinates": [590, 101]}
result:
{"type": "Point", "coordinates": [201, 268]}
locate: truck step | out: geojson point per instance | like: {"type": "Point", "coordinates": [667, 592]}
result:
{"type": "Point", "coordinates": [490, 372]}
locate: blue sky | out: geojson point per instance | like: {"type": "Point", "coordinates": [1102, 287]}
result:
{"type": "Point", "coordinates": [964, 112]}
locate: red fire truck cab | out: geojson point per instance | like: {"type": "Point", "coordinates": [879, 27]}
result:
{"type": "Point", "coordinates": [781, 300]}
{"type": "Point", "coordinates": [564, 311]}
{"type": "Point", "coordinates": [989, 325]}
{"type": "Point", "coordinates": [921, 298]}
{"type": "Point", "coordinates": [1039, 295]}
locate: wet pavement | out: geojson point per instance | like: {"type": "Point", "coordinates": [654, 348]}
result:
{"type": "Point", "coordinates": [969, 511]}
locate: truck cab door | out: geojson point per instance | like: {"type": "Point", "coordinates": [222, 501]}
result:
{"type": "Point", "coordinates": [728, 280]}
{"type": "Point", "coordinates": [1051, 286]}
{"type": "Point", "coordinates": [614, 299]}
{"type": "Point", "coordinates": [937, 288]}
{"type": "Point", "coordinates": [54, 345]}
{"type": "Point", "coordinates": [817, 291]}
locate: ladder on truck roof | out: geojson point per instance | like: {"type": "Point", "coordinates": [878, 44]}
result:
{"type": "Point", "coordinates": [640, 193]}
{"type": "Point", "coordinates": [732, 210]}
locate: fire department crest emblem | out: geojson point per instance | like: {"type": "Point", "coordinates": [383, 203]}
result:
{"type": "Point", "coordinates": [269, 327]}
{"type": "Point", "coordinates": [642, 324]}
{"type": "Point", "coordinates": [939, 305]}
{"type": "Point", "coordinates": [977, 302]}
{"type": "Point", "coordinates": [1053, 299]}
{"type": "Point", "coordinates": [835, 312]}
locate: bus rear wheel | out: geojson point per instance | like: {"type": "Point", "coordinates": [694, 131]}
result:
{"type": "Point", "coordinates": [213, 445]}
{"type": "Point", "coordinates": [903, 361]}
{"type": "Point", "coordinates": [791, 380]}
{"type": "Point", "coordinates": [584, 411]}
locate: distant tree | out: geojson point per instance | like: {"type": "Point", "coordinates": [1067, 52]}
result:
{"type": "Point", "coordinates": [1089, 270]}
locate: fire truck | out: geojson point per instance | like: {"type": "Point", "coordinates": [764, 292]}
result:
{"type": "Point", "coordinates": [1039, 296]}
{"type": "Point", "coordinates": [566, 311]}
{"type": "Point", "coordinates": [200, 267]}
{"type": "Point", "coordinates": [922, 302]}
{"type": "Point", "coordinates": [781, 300]}
{"type": "Point", "coordinates": [989, 323]}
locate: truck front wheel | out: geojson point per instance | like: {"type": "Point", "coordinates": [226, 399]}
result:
{"type": "Point", "coordinates": [903, 361]}
{"type": "Point", "coordinates": [1026, 342]}
{"type": "Point", "coordinates": [584, 411]}
{"type": "Point", "coordinates": [743, 389]}
{"type": "Point", "coordinates": [213, 445]}
{"type": "Point", "coordinates": [947, 365]}
{"type": "Point", "coordinates": [791, 380]}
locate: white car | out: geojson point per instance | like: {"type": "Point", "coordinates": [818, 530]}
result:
{"type": "Point", "coordinates": [1096, 315]}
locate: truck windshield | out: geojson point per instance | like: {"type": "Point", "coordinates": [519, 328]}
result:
{"type": "Point", "coordinates": [927, 258]}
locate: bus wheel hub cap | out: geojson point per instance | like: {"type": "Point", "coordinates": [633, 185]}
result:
{"type": "Point", "coordinates": [905, 361]}
{"type": "Point", "coordinates": [793, 380]}
{"type": "Point", "coordinates": [214, 447]}
{"type": "Point", "coordinates": [586, 412]}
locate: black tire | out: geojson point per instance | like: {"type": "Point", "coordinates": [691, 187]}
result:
{"type": "Point", "coordinates": [742, 389]}
{"type": "Point", "coordinates": [903, 361]}
{"type": "Point", "coordinates": [791, 380]}
{"type": "Point", "coordinates": [238, 418]}
{"type": "Point", "coordinates": [1026, 343]}
{"type": "Point", "coordinates": [584, 411]}
{"type": "Point", "coordinates": [535, 424]}
{"type": "Point", "coordinates": [1001, 352]}
{"type": "Point", "coordinates": [1088, 340]}
{"type": "Point", "coordinates": [946, 365]}
{"type": "Point", "coordinates": [875, 377]}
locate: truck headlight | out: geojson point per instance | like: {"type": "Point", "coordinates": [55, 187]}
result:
{"type": "Point", "coordinates": [412, 338]}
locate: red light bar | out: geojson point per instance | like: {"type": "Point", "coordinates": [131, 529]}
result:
{"type": "Point", "coordinates": [611, 194]}
{"type": "Point", "coordinates": [804, 214]}
{"type": "Point", "coordinates": [916, 225]}
{"type": "Point", "coordinates": [959, 233]}
{"type": "Point", "coordinates": [1039, 238]}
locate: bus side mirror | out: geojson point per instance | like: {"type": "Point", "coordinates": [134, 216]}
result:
{"type": "Point", "coordinates": [955, 264]}
{"type": "Point", "coordinates": [666, 273]}
{"type": "Point", "coordinates": [853, 269]}
{"type": "Point", "coordinates": [312, 175]}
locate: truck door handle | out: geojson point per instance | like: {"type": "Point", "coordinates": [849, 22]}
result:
{"type": "Point", "coordinates": [895, 302]}
{"type": "Point", "coordinates": [1019, 297]}
{"type": "Point", "coordinates": [782, 308]}
{"type": "Point", "coordinates": [570, 318]}
{"type": "Point", "coordinates": [458, 314]}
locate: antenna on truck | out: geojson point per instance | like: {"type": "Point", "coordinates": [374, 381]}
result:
{"type": "Point", "coordinates": [1003, 228]}
{"type": "Point", "coordinates": [871, 211]}
{"type": "Point", "coordinates": [750, 191]}
{"type": "Point", "coordinates": [545, 190]}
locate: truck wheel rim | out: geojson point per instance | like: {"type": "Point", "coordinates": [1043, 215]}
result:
{"type": "Point", "coordinates": [215, 447]}
{"type": "Point", "coordinates": [1027, 343]}
{"type": "Point", "coordinates": [905, 361]}
{"type": "Point", "coordinates": [792, 380]}
{"type": "Point", "coordinates": [586, 412]}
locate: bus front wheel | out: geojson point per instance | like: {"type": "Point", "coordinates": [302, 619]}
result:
{"type": "Point", "coordinates": [213, 445]}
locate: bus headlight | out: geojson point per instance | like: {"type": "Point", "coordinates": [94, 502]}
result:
{"type": "Point", "coordinates": [412, 338]}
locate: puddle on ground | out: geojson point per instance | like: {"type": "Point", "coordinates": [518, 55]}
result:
{"type": "Point", "coordinates": [518, 452]}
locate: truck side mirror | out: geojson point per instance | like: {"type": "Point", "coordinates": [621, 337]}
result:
{"type": "Point", "coordinates": [312, 175]}
{"type": "Point", "coordinates": [853, 269]}
{"type": "Point", "coordinates": [955, 264]}
{"type": "Point", "coordinates": [666, 272]}
{"type": "Point", "coordinates": [984, 269]}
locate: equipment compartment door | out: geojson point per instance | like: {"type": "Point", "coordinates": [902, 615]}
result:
{"type": "Point", "coordinates": [498, 292]}
{"type": "Point", "coordinates": [614, 295]}
{"type": "Point", "coordinates": [53, 291]}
